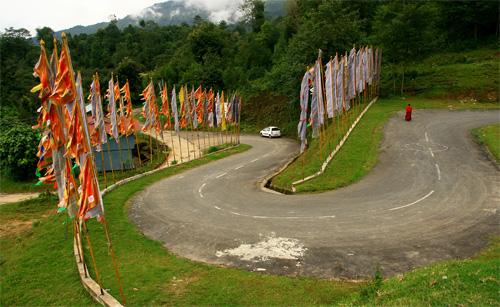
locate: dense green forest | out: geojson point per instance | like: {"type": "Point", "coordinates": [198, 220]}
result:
{"type": "Point", "coordinates": [264, 59]}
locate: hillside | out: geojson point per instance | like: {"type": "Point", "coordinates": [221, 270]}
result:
{"type": "Point", "coordinates": [468, 75]}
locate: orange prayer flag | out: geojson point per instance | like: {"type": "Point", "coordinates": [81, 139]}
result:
{"type": "Point", "coordinates": [64, 90]}
{"type": "Point", "coordinates": [42, 71]}
{"type": "Point", "coordinates": [90, 194]}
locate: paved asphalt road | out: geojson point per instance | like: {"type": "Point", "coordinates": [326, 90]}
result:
{"type": "Point", "coordinates": [433, 195]}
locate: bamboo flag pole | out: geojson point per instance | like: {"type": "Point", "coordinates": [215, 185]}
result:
{"type": "Point", "coordinates": [137, 144]}
{"type": "Point", "coordinates": [356, 77]}
{"type": "Point", "coordinates": [128, 146]}
{"type": "Point", "coordinates": [111, 161]}
{"type": "Point", "coordinates": [103, 169]}
{"type": "Point", "coordinates": [89, 243]}
{"type": "Point", "coordinates": [190, 122]}
{"type": "Point", "coordinates": [332, 137]}
{"type": "Point", "coordinates": [123, 122]}
{"type": "Point", "coordinates": [186, 111]}
{"type": "Point", "coordinates": [323, 90]}
{"type": "Point", "coordinates": [195, 118]}
{"type": "Point", "coordinates": [171, 140]}
{"type": "Point", "coordinates": [165, 149]}
{"type": "Point", "coordinates": [113, 257]}
{"type": "Point", "coordinates": [237, 119]}
{"type": "Point", "coordinates": [150, 148]}
{"type": "Point", "coordinates": [117, 140]}
{"type": "Point", "coordinates": [87, 141]}
{"type": "Point", "coordinates": [131, 116]}
{"type": "Point", "coordinates": [120, 151]}
{"type": "Point", "coordinates": [76, 235]}
{"type": "Point", "coordinates": [346, 88]}
{"type": "Point", "coordinates": [336, 117]}
{"type": "Point", "coordinates": [163, 140]}
{"type": "Point", "coordinates": [343, 94]}
{"type": "Point", "coordinates": [240, 106]}
{"type": "Point", "coordinates": [169, 126]}
{"type": "Point", "coordinates": [157, 141]}
{"type": "Point", "coordinates": [164, 144]}
{"type": "Point", "coordinates": [180, 145]}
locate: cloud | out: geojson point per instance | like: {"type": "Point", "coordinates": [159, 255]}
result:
{"type": "Point", "coordinates": [219, 9]}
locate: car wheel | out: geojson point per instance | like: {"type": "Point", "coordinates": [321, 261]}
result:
{"type": "Point", "coordinates": [270, 136]}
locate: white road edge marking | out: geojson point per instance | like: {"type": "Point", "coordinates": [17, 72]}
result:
{"type": "Point", "coordinates": [439, 171]}
{"type": "Point", "coordinates": [254, 160]}
{"type": "Point", "coordinates": [426, 137]}
{"type": "Point", "coordinates": [216, 207]}
{"type": "Point", "coordinates": [417, 201]}
{"type": "Point", "coordinates": [239, 167]}
{"type": "Point", "coordinates": [201, 188]}
{"type": "Point", "coordinates": [283, 217]}
{"type": "Point", "coordinates": [221, 175]}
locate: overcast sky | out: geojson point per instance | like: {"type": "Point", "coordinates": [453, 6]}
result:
{"type": "Point", "coordinates": [63, 14]}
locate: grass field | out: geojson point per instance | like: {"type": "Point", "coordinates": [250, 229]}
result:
{"type": "Point", "coordinates": [37, 266]}
{"type": "Point", "coordinates": [360, 153]}
{"type": "Point", "coordinates": [490, 137]}
{"type": "Point", "coordinates": [467, 75]}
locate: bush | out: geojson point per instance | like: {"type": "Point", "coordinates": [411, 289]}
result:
{"type": "Point", "coordinates": [18, 147]}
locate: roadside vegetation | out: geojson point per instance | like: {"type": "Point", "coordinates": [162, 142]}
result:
{"type": "Point", "coordinates": [489, 136]}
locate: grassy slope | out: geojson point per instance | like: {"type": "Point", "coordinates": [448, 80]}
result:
{"type": "Point", "coordinates": [490, 137]}
{"type": "Point", "coordinates": [470, 282]}
{"type": "Point", "coordinates": [470, 75]}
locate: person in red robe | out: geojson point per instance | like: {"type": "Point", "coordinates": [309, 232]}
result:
{"type": "Point", "coordinates": [408, 113]}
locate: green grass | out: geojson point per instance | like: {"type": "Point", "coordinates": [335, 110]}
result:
{"type": "Point", "coordinates": [470, 282]}
{"type": "Point", "coordinates": [490, 137]}
{"type": "Point", "coordinates": [360, 153]}
{"type": "Point", "coordinates": [470, 75]}
{"type": "Point", "coordinates": [8, 185]}
{"type": "Point", "coordinates": [37, 267]}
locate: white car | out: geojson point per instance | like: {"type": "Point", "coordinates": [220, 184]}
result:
{"type": "Point", "coordinates": [271, 132]}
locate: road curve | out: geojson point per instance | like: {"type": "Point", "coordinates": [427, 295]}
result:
{"type": "Point", "coordinates": [433, 195]}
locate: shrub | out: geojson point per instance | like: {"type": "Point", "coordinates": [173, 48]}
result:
{"type": "Point", "coordinates": [18, 147]}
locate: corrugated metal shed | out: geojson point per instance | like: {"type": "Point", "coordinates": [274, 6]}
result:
{"type": "Point", "coordinates": [116, 156]}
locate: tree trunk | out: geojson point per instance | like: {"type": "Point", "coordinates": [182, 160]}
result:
{"type": "Point", "coordinates": [403, 82]}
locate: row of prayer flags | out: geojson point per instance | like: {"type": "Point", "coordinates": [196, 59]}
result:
{"type": "Point", "coordinates": [344, 78]}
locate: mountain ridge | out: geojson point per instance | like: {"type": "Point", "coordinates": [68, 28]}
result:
{"type": "Point", "coordinates": [173, 12]}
